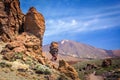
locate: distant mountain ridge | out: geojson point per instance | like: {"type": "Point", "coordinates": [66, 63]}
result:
{"type": "Point", "coordinates": [79, 50]}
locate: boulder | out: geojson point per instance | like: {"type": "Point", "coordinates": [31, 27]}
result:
{"type": "Point", "coordinates": [9, 56]}
{"type": "Point", "coordinates": [106, 63]}
{"type": "Point", "coordinates": [11, 19]}
{"type": "Point", "coordinates": [68, 70]}
{"type": "Point", "coordinates": [89, 67]}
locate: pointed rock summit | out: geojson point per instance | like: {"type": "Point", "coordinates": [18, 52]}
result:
{"type": "Point", "coordinates": [34, 23]}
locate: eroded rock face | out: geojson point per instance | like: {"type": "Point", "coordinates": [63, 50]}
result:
{"type": "Point", "coordinates": [11, 19]}
{"type": "Point", "coordinates": [68, 70]}
{"type": "Point", "coordinates": [34, 23]}
{"type": "Point", "coordinates": [26, 43]}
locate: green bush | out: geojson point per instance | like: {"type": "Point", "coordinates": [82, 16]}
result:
{"type": "Point", "coordinates": [4, 64]}
{"type": "Point", "coordinates": [29, 62]}
{"type": "Point", "coordinates": [42, 69]}
{"type": "Point", "coordinates": [18, 55]}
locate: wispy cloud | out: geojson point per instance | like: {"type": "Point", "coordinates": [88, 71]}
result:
{"type": "Point", "coordinates": [55, 28]}
{"type": "Point", "coordinates": [59, 26]}
{"type": "Point", "coordinates": [97, 22]}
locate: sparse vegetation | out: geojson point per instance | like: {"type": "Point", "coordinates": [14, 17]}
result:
{"type": "Point", "coordinates": [42, 69]}
{"type": "Point", "coordinates": [29, 61]}
{"type": "Point", "coordinates": [110, 72]}
{"type": "Point", "coordinates": [4, 64]}
{"type": "Point", "coordinates": [63, 77]}
{"type": "Point", "coordinates": [18, 55]}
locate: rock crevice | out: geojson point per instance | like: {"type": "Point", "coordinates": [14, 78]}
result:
{"type": "Point", "coordinates": [11, 19]}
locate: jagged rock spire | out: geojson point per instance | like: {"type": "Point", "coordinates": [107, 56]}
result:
{"type": "Point", "coordinates": [35, 23]}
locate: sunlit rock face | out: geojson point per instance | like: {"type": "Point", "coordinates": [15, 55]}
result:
{"type": "Point", "coordinates": [68, 70]}
{"type": "Point", "coordinates": [11, 19]}
{"type": "Point", "coordinates": [13, 23]}
{"type": "Point", "coordinates": [35, 23]}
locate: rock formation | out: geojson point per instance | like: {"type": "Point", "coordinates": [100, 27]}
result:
{"type": "Point", "coordinates": [106, 63]}
{"type": "Point", "coordinates": [68, 70]}
{"type": "Point", "coordinates": [89, 66]}
{"type": "Point", "coordinates": [25, 43]}
{"type": "Point", "coordinates": [11, 19]}
{"type": "Point", "coordinates": [34, 23]}
{"type": "Point", "coordinates": [24, 35]}
{"type": "Point", "coordinates": [12, 23]}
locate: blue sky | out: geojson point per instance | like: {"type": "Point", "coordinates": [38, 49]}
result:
{"type": "Point", "coordinates": [93, 22]}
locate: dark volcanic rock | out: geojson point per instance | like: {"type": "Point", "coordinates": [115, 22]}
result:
{"type": "Point", "coordinates": [106, 63]}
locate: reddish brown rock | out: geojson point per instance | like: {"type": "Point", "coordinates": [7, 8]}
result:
{"type": "Point", "coordinates": [11, 19]}
{"type": "Point", "coordinates": [9, 56]}
{"type": "Point", "coordinates": [27, 40]}
{"type": "Point", "coordinates": [26, 43]}
{"type": "Point", "coordinates": [34, 23]}
{"type": "Point", "coordinates": [68, 70]}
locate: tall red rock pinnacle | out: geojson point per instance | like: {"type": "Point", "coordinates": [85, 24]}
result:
{"type": "Point", "coordinates": [34, 23]}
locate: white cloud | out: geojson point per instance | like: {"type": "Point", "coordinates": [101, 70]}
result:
{"type": "Point", "coordinates": [59, 26]}
{"type": "Point", "coordinates": [74, 22]}
{"type": "Point", "coordinates": [56, 27]}
{"type": "Point", "coordinates": [71, 24]}
{"type": "Point", "coordinates": [90, 22]}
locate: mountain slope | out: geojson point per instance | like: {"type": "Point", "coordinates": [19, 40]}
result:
{"type": "Point", "coordinates": [116, 53]}
{"type": "Point", "coordinates": [79, 50]}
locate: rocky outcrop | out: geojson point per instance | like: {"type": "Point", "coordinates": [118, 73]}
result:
{"type": "Point", "coordinates": [89, 66]}
{"type": "Point", "coordinates": [106, 63]}
{"type": "Point", "coordinates": [24, 34]}
{"type": "Point", "coordinates": [68, 70]}
{"type": "Point", "coordinates": [25, 43]}
{"type": "Point", "coordinates": [28, 45]}
{"type": "Point", "coordinates": [34, 23]}
{"type": "Point", "coordinates": [11, 19]}
{"type": "Point", "coordinates": [27, 40]}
